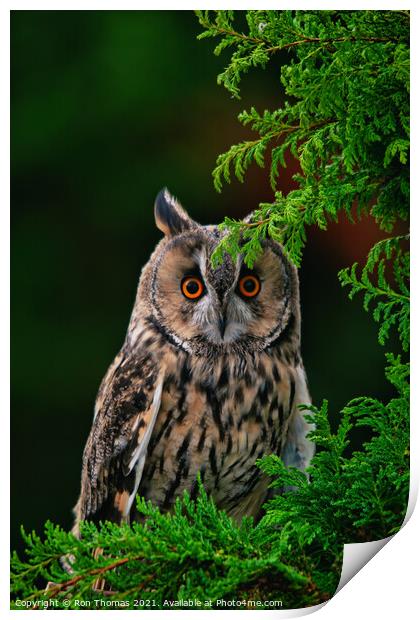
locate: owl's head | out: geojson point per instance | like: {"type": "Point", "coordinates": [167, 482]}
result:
{"type": "Point", "coordinates": [207, 310]}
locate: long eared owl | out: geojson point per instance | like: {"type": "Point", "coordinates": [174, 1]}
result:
{"type": "Point", "coordinates": [209, 379]}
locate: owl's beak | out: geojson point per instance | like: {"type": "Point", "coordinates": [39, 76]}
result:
{"type": "Point", "coordinates": [222, 325]}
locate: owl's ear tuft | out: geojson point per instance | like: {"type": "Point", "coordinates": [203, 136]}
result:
{"type": "Point", "coordinates": [170, 217]}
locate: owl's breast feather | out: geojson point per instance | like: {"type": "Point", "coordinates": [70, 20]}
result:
{"type": "Point", "coordinates": [215, 423]}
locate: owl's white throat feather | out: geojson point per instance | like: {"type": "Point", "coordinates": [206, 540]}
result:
{"type": "Point", "coordinates": [222, 324]}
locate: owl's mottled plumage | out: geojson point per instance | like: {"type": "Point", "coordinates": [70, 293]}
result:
{"type": "Point", "coordinates": [200, 385]}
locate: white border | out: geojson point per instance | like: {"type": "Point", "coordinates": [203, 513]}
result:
{"type": "Point", "coordinates": [387, 585]}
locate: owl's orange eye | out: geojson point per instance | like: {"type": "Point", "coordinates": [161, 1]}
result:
{"type": "Point", "coordinates": [249, 286]}
{"type": "Point", "coordinates": [192, 287]}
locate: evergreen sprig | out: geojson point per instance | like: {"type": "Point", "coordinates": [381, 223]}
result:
{"type": "Point", "coordinates": [364, 496]}
{"type": "Point", "coordinates": [392, 303]}
{"type": "Point", "coordinates": [345, 117]}
{"type": "Point", "coordinates": [197, 552]}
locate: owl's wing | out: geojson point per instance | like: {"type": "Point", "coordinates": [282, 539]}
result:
{"type": "Point", "coordinates": [113, 460]}
{"type": "Point", "coordinates": [297, 449]}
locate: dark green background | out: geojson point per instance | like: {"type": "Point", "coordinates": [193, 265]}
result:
{"type": "Point", "coordinates": [107, 108]}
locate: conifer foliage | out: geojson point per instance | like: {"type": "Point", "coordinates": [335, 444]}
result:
{"type": "Point", "coordinates": [346, 119]}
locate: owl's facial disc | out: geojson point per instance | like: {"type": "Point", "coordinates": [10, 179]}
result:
{"type": "Point", "coordinates": [200, 307]}
{"type": "Point", "coordinates": [196, 303]}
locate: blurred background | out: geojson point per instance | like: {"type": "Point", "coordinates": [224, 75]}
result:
{"type": "Point", "coordinates": [107, 108]}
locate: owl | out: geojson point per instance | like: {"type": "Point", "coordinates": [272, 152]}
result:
{"type": "Point", "coordinates": [208, 380]}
